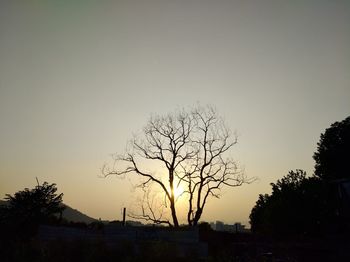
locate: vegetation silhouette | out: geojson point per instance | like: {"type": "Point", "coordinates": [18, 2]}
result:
{"type": "Point", "coordinates": [28, 208]}
{"type": "Point", "coordinates": [333, 151]}
{"type": "Point", "coordinates": [310, 206]}
{"type": "Point", "coordinates": [189, 150]}
{"type": "Point", "coordinates": [297, 206]}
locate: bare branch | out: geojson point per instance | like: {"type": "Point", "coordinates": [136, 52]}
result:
{"type": "Point", "coordinates": [191, 147]}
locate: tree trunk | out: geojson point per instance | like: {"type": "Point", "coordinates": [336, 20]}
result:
{"type": "Point", "coordinates": [173, 213]}
{"type": "Point", "coordinates": [197, 217]}
{"type": "Point", "coordinates": [172, 196]}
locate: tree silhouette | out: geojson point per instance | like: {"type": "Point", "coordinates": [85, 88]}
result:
{"type": "Point", "coordinates": [28, 208]}
{"type": "Point", "coordinates": [333, 152]}
{"type": "Point", "coordinates": [297, 206]}
{"type": "Point", "coordinates": [301, 205]}
{"type": "Point", "coordinates": [186, 149]}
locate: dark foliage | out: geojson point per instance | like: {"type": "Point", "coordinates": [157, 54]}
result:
{"type": "Point", "coordinates": [297, 206]}
{"type": "Point", "coordinates": [333, 152]}
{"type": "Point", "coordinates": [300, 206]}
{"type": "Point", "coordinates": [28, 208]}
{"type": "Point", "coordinates": [204, 226]}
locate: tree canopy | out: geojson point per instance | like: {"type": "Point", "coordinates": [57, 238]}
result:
{"type": "Point", "coordinates": [298, 205]}
{"type": "Point", "coordinates": [333, 152]}
{"type": "Point", "coordinates": [30, 207]}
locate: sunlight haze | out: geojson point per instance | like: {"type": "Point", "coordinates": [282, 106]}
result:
{"type": "Point", "coordinates": [77, 80]}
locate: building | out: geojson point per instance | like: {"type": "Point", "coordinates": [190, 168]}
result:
{"type": "Point", "coordinates": [234, 228]}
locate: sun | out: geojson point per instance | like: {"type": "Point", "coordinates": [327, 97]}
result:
{"type": "Point", "coordinates": [178, 191]}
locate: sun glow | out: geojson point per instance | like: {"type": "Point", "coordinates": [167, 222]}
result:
{"type": "Point", "coordinates": [178, 191]}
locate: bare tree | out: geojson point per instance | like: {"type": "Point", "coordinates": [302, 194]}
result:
{"type": "Point", "coordinates": [188, 149]}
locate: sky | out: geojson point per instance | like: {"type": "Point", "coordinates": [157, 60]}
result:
{"type": "Point", "coordinates": [78, 78]}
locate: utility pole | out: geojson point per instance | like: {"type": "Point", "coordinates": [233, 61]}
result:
{"type": "Point", "coordinates": [124, 211]}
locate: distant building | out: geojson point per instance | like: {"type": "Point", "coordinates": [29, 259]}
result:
{"type": "Point", "coordinates": [235, 228]}
{"type": "Point", "coordinates": [212, 225]}
{"type": "Point", "coordinates": [219, 226]}
{"type": "Point", "coordinates": [239, 228]}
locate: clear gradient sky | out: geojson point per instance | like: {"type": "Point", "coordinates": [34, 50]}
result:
{"type": "Point", "coordinates": [76, 79]}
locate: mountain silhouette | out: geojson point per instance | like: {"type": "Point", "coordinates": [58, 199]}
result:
{"type": "Point", "coordinates": [70, 214]}
{"type": "Point", "coordinates": [74, 215]}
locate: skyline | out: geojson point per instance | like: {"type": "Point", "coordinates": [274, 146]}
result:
{"type": "Point", "coordinates": [77, 80]}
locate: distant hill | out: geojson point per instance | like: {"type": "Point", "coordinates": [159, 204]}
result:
{"type": "Point", "coordinates": [75, 215]}
{"type": "Point", "coordinates": [69, 214]}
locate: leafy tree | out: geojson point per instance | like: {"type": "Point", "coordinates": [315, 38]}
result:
{"type": "Point", "coordinates": [301, 205]}
{"type": "Point", "coordinates": [259, 219]}
{"type": "Point", "coordinates": [297, 206]}
{"type": "Point", "coordinates": [204, 227]}
{"type": "Point", "coordinates": [28, 208]}
{"type": "Point", "coordinates": [187, 150]}
{"type": "Point", "coordinates": [333, 152]}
